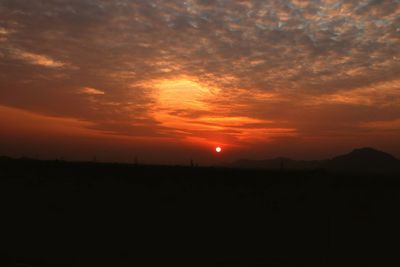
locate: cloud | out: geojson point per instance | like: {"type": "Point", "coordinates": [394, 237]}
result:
{"type": "Point", "coordinates": [388, 125]}
{"type": "Point", "coordinates": [3, 34]}
{"type": "Point", "coordinates": [21, 122]}
{"type": "Point", "coordinates": [3, 31]}
{"type": "Point", "coordinates": [381, 94]}
{"type": "Point", "coordinates": [274, 45]}
{"type": "Point", "coordinates": [91, 91]}
{"type": "Point", "coordinates": [36, 59]}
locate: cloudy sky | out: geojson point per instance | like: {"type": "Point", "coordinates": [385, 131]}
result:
{"type": "Point", "coordinates": [168, 80]}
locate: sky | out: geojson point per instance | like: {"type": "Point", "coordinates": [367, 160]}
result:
{"type": "Point", "coordinates": [166, 81]}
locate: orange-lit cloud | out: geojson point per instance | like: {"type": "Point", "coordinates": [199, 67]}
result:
{"type": "Point", "coordinates": [91, 91]}
{"type": "Point", "coordinates": [191, 108]}
{"type": "Point", "coordinates": [389, 125]}
{"type": "Point", "coordinates": [19, 121]}
{"type": "Point", "coordinates": [378, 94]}
{"type": "Point", "coordinates": [36, 59]}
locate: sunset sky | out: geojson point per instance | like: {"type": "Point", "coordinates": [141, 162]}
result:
{"type": "Point", "coordinates": [170, 80]}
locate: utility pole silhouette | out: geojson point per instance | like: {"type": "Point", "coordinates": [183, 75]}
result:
{"type": "Point", "coordinates": [133, 159]}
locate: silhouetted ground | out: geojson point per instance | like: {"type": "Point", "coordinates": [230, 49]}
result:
{"type": "Point", "coordinates": [87, 214]}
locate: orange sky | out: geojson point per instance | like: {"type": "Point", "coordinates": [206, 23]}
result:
{"type": "Point", "coordinates": [168, 81]}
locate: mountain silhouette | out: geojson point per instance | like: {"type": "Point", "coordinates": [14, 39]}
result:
{"type": "Point", "coordinates": [359, 160]}
{"type": "Point", "coordinates": [363, 160]}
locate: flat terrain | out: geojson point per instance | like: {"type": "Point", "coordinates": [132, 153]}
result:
{"type": "Point", "coordinates": [89, 214]}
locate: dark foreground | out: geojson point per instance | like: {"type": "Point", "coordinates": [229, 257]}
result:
{"type": "Point", "coordinates": [83, 214]}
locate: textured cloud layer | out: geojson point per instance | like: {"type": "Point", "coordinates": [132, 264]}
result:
{"type": "Point", "coordinates": [267, 67]}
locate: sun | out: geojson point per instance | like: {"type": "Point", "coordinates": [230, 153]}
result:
{"type": "Point", "coordinates": [218, 149]}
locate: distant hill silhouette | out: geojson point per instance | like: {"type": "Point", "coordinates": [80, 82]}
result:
{"type": "Point", "coordinates": [359, 160]}
{"type": "Point", "coordinates": [363, 160]}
